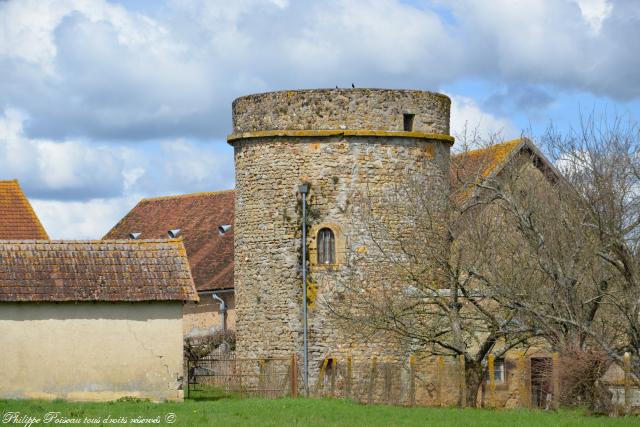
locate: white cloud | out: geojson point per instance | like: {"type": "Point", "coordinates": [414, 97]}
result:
{"type": "Point", "coordinates": [67, 169]}
{"type": "Point", "coordinates": [95, 69]}
{"type": "Point", "coordinates": [552, 42]}
{"type": "Point", "coordinates": [467, 115]}
{"type": "Point", "coordinates": [91, 68]}
{"type": "Point", "coordinates": [81, 189]}
{"type": "Point", "coordinates": [28, 26]}
{"type": "Point", "coordinates": [193, 165]}
{"type": "Point", "coordinates": [89, 219]}
{"type": "Point", "coordinates": [595, 12]}
{"type": "Point", "coordinates": [373, 39]}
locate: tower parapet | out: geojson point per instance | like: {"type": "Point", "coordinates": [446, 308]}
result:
{"type": "Point", "coordinates": [334, 109]}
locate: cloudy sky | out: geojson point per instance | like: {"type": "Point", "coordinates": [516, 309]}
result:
{"type": "Point", "coordinates": [105, 102]}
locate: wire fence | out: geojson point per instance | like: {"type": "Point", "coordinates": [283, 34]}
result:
{"type": "Point", "coordinates": [544, 381]}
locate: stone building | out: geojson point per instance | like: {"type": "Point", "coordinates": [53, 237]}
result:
{"type": "Point", "coordinates": [520, 379]}
{"type": "Point", "coordinates": [92, 320]}
{"type": "Point", "coordinates": [346, 143]}
{"type": "Point", "coordinates": [205, 222]}
{"type": "Point", "coordinates": [343, 143]}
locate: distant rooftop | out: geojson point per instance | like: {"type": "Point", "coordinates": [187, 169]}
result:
{"type": "Point", "coordinates": [474, 166]}
{"type": "Point", "coordinates": [17, 218]}
{"type": "Point", "coordinates": [198, 217]}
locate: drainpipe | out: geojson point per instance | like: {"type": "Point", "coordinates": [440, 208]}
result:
{"type": "Point", "coordinates": [223, 310]}
{"type": "Point", "coordinates": [223, 306]}
{"type": "Point", "coordinates": [304, 189]}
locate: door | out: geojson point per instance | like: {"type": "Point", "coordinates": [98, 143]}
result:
{"type": "Point", "coordinates": [541, 374]}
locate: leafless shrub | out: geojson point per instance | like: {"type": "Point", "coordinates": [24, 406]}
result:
{"type": "Point", "coordinates": [580, 380]}
{"type": "Point", "coordinates": [196, 348]}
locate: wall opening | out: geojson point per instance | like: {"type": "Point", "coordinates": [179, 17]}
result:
{"type": "Point", "coordinates": [499, 372]}
{"type": "Point", "coordinates": [408, 122]}
{"type": "Point", "coordinates": [541, 371]}
{"type": "Point", "coordinates": [326, 246]}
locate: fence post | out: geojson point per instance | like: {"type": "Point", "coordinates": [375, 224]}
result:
{"type": "Point", "coordinates": [294, 376]}
{"type": "Point", "coordinates": [627, 383]}
{"type": "Point", "coordinates": [463, 381]}
{"type": "Point", "coordinates": [261, 377]}
{"type": "Point", "coordinates": [188, 376]}
{"type": "Point", "coordinates": [412, 380]}
{"type": "Point", "coordinates": [440, 375]}
{"type": "Point", "coordinates": [320, 383]}
{"type": "Point", "coordinates": [387, 379]}
{"type": "Point", "coordinates": [492, 381]}
{"type": "Point", "coordinates": [556, 380]}
{"type": "Point", "coordinates": [522, 381]}
{"type": "Point", "coordinates": [239, 371]}
{"type": "Point", "coordinates": [349, 374]}
{"type": "Point", "coordinates": [372, 378]}
{"type": "Point", "coordinates": [334, 370]}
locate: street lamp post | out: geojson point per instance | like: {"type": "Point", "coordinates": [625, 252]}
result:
{"type": "Point", "coordinates": [304, 189]}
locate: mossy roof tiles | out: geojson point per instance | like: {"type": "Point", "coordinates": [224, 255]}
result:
{"type": "Point", "coordinates": [474, 166]}
{"type": "Point", "coordinates": [17, 218]}
{"type": "Point", "coordinates": [113, 271]}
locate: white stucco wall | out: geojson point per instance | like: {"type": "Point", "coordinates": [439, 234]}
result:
{"type": "Point", "coordinates": [91, 351]}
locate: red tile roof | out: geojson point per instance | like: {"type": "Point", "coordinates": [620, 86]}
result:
{"type": "Point", "coordinates": [17, 218]}
{"type": "Point", "coordinates": [118, 270]}
{"type": "Point", "coordinates": [198, 216]}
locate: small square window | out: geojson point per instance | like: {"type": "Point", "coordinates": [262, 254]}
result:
{"type": "Point", "coordinates": [408, 122]}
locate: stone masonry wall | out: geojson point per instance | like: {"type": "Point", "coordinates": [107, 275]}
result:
{"type": "Point", "coordinates": [269, 170]}
{"type": "Point", "coordinates": [355, 109]}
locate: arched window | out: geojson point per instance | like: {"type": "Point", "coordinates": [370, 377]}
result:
{"type": "Point", "coordinates": [326, 246]}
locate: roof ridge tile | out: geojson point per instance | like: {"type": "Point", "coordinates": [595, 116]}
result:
{"type": "Point", "coordinates": [188, 195]}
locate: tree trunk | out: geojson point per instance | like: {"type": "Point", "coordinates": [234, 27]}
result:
{"type": "Point", "coordinates": [473, 377]}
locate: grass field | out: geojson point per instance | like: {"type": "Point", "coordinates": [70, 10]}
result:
{"type": "Point", "coordinates": [283, 412]}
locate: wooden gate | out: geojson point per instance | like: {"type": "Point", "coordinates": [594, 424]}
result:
{"type": "Point", "coordinates": [213, 377]}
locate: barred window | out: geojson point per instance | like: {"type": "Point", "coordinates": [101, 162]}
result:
{"type": "Point", "coordinates": [326, 246]}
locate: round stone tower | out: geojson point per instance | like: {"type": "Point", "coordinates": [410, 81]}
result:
{"type": "Point", "coordinates": [341, 142]}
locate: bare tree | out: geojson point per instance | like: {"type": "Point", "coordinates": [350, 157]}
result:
{"type": "Point", "coordinates": [579, 236]}
{"type": "Point", "coordinates": [420, 280]}
{"type": "Point", "coordinates": [544, 249]}
{"type": "Point", "coordinates": [601, 163]}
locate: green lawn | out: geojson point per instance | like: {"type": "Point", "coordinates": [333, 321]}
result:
{"type": "Point", "coordinates": [290, 412]}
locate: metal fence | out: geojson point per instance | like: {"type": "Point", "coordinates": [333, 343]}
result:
{"type": "Point", "coordinates": [225, 374]}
